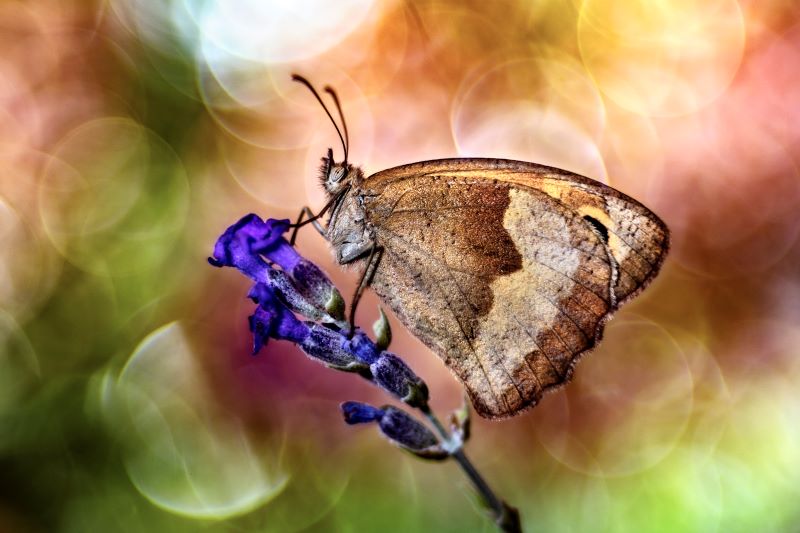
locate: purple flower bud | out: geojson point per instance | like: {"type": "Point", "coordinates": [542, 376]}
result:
{"type": "Point", "coordinates": [360, 413]}
{"type": "Point", "coordinates": [286, 290]}
{"type": "Point", "coordinates": [398, 426]}
{"type": "Point", "coordinates": [406, 430]}
{"type": "Point", "coordinates": [301, 287]}
{"type": "Point", "coordinates": [362, 347]}
{"type": "Point", "coordinates": [328, 347]}
{"type": "Point", "coordinates": [391, 374]}
{"type": "Point", "coordinates": [317, 288]}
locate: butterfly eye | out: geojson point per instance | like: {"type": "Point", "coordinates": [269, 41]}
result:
{"type": "Point", "coordinates": [337, 174]}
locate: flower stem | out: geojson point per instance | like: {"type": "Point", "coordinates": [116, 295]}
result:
{"type": "Point", "coordinates": [505, 516]}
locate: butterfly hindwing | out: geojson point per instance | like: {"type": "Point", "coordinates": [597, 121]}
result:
{"type": "Point", "coordinates": [505, 282]}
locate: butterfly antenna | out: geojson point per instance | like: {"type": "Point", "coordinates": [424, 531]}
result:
{"type": "Point", "coordinates": [301, 79]}
{"type": "Point", "coordinates": [330, 91]}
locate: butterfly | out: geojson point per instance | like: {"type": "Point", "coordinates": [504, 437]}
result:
{"type": "Point", "coordinates": [507, 270]}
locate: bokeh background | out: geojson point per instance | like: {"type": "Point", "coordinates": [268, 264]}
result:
{"type": "Point", "coordinates": [133, 132]}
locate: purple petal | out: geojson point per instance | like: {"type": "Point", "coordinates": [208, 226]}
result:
{"type": "Point", "coordinates": [290, 329]}
{"type": "Point", "coordinates": [261, 324]}
{"type": "Point", "coordinates": [269, 242]}
{"type": "Point", "coordinates": [262, 294]}
{"type": "Point", "coordinates": [261, 236]}
{"type": "Point", "coordinates": [272, 319]}
{"type": "Point", "coordinates": [282, 253]}
{"type": "Point", "coordinates": [250, 236]}
{"type": "Point", "coordinates": [235, 246]}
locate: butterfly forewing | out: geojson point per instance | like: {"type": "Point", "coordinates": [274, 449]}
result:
{"type": "Point", "coordinates": [637, 239]}
{"type": "Point", "coordinates": [501, 279]}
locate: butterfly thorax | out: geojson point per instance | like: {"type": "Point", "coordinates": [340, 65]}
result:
{"type": "Point", "coordinates": [348, 231]}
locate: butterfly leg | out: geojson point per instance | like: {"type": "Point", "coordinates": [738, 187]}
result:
{"type": "Point", "coordinates": [373, 260]}
{"type": "Point", "coordinates": [306, 211]}
{"type": "Point", "coordinates": [333, 203]}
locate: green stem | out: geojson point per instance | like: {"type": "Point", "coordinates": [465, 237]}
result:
{"type": "Point", "coordinates": [505, 516]}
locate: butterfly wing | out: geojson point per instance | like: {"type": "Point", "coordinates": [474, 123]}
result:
{"type": "Point", "coordinates": [637, 239]}
{"type": "Point", "coordinates": [498, 274]}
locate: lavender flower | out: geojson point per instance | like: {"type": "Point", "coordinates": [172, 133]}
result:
{"type": "Point", "coordinates": [301, 287]}
{"type": "Point", "coordinates": [398, 426]}
{"type": "Point", "coordinates": [287, 285]}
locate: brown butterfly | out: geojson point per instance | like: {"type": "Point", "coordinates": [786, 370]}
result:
{"type": "Point", "coordinates": [507, 270]}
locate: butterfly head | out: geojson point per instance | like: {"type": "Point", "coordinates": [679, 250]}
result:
{"type": "Point", "coordinates": [336, 177]}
